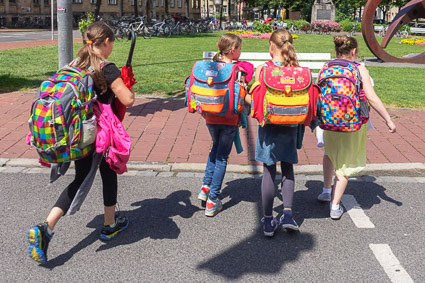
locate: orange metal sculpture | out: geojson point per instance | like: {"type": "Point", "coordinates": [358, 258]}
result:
{"type": "Point", "coordinates": [413, 10]}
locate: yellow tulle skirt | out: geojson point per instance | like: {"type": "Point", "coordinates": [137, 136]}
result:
{"type": "Point", "coordinates": [347, 151]}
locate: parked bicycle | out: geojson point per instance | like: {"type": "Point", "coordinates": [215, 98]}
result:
{"type": "Point", "coordinates": [353, 30]}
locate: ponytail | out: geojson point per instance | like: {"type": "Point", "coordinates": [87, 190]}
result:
{"type": "Point", "coordinates": [225, 44]}
{"type": "Point", "coordinates": [282, 40]}
{"type": "Point", "coordinates": [94, 35]}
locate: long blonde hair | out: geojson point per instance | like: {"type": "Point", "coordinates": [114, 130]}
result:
{"type": "Point", "coordinates": [94, 35]}
{"type": "Point", "coordinates": [282, 40]}
{"type": "Point", "coordinates": [225, 44]}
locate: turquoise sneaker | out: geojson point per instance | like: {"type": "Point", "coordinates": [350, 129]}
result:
{"type": "Point", "coordinates": [38, 240]}
{"type": "Point", "coordinates": [213, 207]}
{"type": "Point", "coordinates": [203, 194]}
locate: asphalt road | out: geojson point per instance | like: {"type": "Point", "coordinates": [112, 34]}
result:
{"type": "Point", "coordinates": [14, 36]}
{"type": "Point", "coordinates": [170, 240]}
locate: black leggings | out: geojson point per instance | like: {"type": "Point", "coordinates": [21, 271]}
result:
{"type": "Point", "coordinates": [267, 186]}
{"type": "Point", "coordinates": [82, 168]}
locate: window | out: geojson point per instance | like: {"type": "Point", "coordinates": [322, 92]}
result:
{"type": "Point", "coordinates": [179, 3]}
{"type": "Point", "coordinates": [36, 2]}
{"type": "Point", "coordinates": [46, 2]}
{"type": "Point", "coordinates": [224, 9]}
{"type": "Point", "coordinates": [12, 1]}
{"type": "Point", "coordinates": [112, 2]}
{"type": "Point", "coordinates": [155, 3]}
{"type": "Point", "coordinates": [77, 1]}
{"type": "Point", "coordinates": [92, 1]}
{"type": "Point", "coordinates": [211, 9]}
{"type": "Point", "coordinates": [171, 3]}
{"type": "Point", "coordinates": [162, 3]}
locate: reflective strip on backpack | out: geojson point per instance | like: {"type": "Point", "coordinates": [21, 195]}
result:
{"type": "Point", "coordinates": [210, 99]}
{"type": "Point", "coordinates": [298, 110]}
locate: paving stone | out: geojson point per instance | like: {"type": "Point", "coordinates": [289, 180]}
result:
{"type": "Point", "coordinates": [315, 178]}
{"type": "Point", "coordinates": [166, 174]}
{"type": "Point", "coordinates": [13, 169]}
{"type": "Point", "coordinates": [147, 174]}
{"type": "Point", "coordinates": [38, 171]}
{"type": "Point", "coordinates": [131, 173]}
{"type": "Point", "coordinates": [189, 175]}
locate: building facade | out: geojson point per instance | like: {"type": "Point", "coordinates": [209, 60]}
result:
{"type": "Point", "coordinates": [29, 11]}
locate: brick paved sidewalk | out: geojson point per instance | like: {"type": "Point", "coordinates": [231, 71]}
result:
{"type": "Point", "coordinates": [24, 44]}
{"type": "Point", "coordinates": [163, 131]}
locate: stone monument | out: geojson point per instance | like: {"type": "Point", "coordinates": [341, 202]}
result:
{"type": "Point", "coordinates": [323, 10]}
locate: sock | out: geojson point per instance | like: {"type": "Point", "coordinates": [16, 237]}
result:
{"type": "Point", "coordinates": [335, 206]}
{"type": "Point", "coordinates": [49, 231]}
{"type": "Point", "coordinates": [320, 138]}
{"type": "Point", "coordinates": [327, 190]}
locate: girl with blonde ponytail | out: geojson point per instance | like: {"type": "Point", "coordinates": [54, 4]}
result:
{"type": "Point", "coordinates": [98, 41]}
{"type": "Point", "coordinates": [278, 143]}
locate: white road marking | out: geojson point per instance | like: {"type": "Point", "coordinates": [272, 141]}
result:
{"type": "Point", "coordinates": [360, 219]}
{"type": "Point", "coordinates": [390, 263]}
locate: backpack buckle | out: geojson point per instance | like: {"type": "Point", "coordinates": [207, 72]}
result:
{"type": "Point", "coordinates": [210, 81]}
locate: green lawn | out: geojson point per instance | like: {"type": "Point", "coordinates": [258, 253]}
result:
{"type": "Point", "coordinates": [161, 64]}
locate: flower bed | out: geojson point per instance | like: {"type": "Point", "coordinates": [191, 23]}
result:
{"type": "Point", "coordinates": [412, 41]}
{"type": "Point", "coordinates": [257, 35]}
{"type": "Point", "coordinates": [327, 26]}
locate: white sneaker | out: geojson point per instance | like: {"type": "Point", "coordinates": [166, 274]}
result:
{"type": "Point", "coordinates": [336, 213]}
{"type": "Point", "coordinates": [324, 197]}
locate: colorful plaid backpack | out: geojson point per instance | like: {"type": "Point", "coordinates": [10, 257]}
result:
{"type": "Point", "coordinates": [284, 95]}
{"type": "Point", "coordinates": [340, 101]}
{"type": "Point", "coordinates": [62, 122]}
{"type": "Point", "coordinates": [212, 87]}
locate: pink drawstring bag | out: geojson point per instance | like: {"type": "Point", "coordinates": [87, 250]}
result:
{"type": "Point", "coordinates": [112, 140]}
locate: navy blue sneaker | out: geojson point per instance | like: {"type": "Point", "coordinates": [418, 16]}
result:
{"type": "Point", "coordinates": [38, 240]}
{"type": "Point", "coordinates": [269, 225]}
{"type": "Point", "coordinates": [108, 232]}
{"type": "Point", "coordinates": [288, 222]}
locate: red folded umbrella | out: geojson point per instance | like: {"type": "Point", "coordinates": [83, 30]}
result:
{"type": "Point", "coordinates": [128, 78]}
{"type": "Point", "coordinates": [268, 20]}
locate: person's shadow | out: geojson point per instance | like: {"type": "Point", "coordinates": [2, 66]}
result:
{"type": "Point", "coordinates": [256, 254]}
{"type": "Point", "coordinates": [306, 205]}
{"type": "Point", "coordinates": [241, 190]}
{"type": "Point", "coordinates": [152, 219]}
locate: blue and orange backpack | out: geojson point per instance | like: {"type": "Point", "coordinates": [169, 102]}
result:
{"type": "Point", "coordinates": [213, 87]}
{"type": "Point", "coordinates": [62, 122]}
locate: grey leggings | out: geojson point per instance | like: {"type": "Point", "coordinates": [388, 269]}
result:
{"type": "Point", "coordinates": [267, 186]}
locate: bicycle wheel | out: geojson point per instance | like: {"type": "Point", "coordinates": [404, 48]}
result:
{"type": "Point", "coordinates": [147, 32]}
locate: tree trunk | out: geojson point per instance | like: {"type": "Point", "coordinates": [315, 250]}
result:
{"type": "Point", "coordinates": [148, 11]}
{"type": "Point", "coordinates": [229, 10]}
{"type": "Point", "coordinates": [166, 9]}
{"type": "Point", "coordinates": [208, 9]}
{"type": "Point", "coordinates": [221, 14]}
{"type": "Point", "coordinates": [97, 9]}
{"type": "Point", "coordinates": [187, 8]}
{"type": "Point", "coordinates": [136, 10]}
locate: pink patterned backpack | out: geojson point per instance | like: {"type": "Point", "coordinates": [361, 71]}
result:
{"type": "Point", "coordinates": [343, 106]}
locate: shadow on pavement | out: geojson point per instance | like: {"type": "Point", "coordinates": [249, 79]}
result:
{"type": "Point", "coordinates": [151, 219]}
{"type": "Point", "coordinates": [256, 254]}
{"type": "Point", "coordinates": [156, 105]}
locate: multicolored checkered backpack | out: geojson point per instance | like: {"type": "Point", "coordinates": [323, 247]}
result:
{"type": "Point", "coordinates": [284, 95]}
{"type": "Point", "coordinates": [212, 87]}
{"type": "Point", "coordinates": [62, 122]}
{"type": "Point", "coordinates": [340, 100]}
